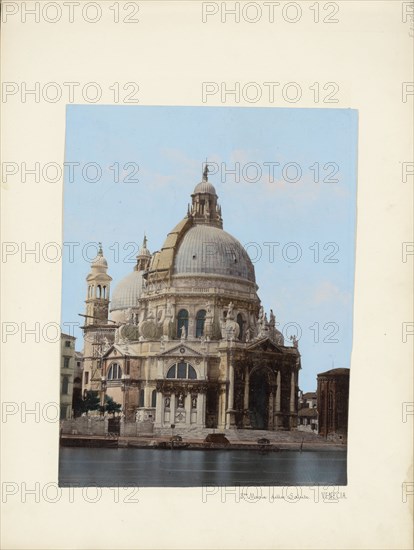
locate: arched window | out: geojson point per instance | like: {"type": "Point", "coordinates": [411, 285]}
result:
{"type": "Point", "coordinates": [200, 320]}
{"type": "Point", "coordinates": [65, 385]}
{"type": "Point", "coordinates": [182, 370]}
{"type": "Point", "coordinates": [99, 291]}
{"type": "Point", "coordinates": [240, 323]}
{"type": "Point", "coordinates": [182, 321]}
{"type": "Point", "coordinates": [114, 372]}
{"type": "Point", "coordinates": [141, 398]}
{"type": "Point", "coordinates": [104, 291]}
{"type": "Point", "coordinates": [154, 398]}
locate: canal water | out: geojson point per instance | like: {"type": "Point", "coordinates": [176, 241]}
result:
{"type": "Point", "coordinates": [83, 467]}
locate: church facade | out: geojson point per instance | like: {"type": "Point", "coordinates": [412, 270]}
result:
{"type": "Point", "coordinates": [184, 340]}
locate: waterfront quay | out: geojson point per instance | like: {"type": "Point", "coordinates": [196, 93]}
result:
{"type": "Point", "coordinates": [234, 440]}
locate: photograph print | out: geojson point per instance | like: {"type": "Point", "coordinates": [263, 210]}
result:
{"type": "Point", "coordinates": [207, 296]}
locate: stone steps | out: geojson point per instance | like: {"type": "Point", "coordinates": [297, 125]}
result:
{"type": "Point", "coordinates": [235, 435]}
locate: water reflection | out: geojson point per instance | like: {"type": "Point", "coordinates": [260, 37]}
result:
{"type": "Point", "coordinates": [82, 467]}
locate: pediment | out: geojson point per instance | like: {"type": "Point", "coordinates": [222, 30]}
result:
{"type": "Point", "coordinates": [113, 351]}
{"type": "Point", "coordinates": [181, 350]}
{"type": "Point", "coordinates": [265, 344]}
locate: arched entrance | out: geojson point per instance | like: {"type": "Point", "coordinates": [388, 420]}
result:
{"type": "Point", "coordinates": [259, 393]}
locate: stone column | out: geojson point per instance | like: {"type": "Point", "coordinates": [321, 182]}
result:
{"type": "Point", "coordinates": [147, 397]}
{"type": "Point", "coordinates": [172, 408]}
{"type": "Point", "coordinates": [159, 410]}
{"type": "Point", "coordinates": [277, 413]}
{"type": "Point", "coordinates": [271, 411]}
{"type": "Point", "coordinates": [246, 416]}
{"type": "Point", "coordinates": [278, 391]}
{"type": "Point", "coordinates": [231, 387]}
{"type": "Point", "coordinates": [230, 410]}
{"type": "Point", "coordinates": [187, 407]}
{"type": "Point", "coordinates": [246, 389]}
{"type": "Point", "coordinates": [221, 419]}
{"type": "Point", "coordinates": [292, 392]}
{"type": "Point", "coordinates": [201, 405]}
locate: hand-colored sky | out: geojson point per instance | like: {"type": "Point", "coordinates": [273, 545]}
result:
{"type": "Point", "coordinates": [169, 144]}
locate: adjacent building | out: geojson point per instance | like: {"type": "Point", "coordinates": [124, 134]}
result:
{"type": "Point", "coordinates": [333, 399]}
{"type": "Point", "coordinates": [308, 414]}
{"type": "Point", "coordinates": [67, 370]}
{"type": "Point", "coordinates": [77, 384]}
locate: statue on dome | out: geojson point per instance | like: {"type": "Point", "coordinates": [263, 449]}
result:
{"type": "Point", "coordinates": [205, 172]}
{"type": "Point", "coordinates": [230, 314]}
{"type": "Point", "coordinates": [272, 319]}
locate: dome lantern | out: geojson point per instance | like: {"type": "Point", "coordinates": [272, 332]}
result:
{"type": "Point", "coordinates": [143, 257]}
{"type": "Point", "coordinates": [205, 208]}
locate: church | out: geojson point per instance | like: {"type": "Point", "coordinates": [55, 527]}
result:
{"type": "Point", "coordinates": [183, 339]}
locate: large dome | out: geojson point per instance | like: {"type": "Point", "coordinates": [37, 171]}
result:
{"type": "Point", "coordinates": [127, 291]}
{"type": "Point", "coordinates": [208, 249]}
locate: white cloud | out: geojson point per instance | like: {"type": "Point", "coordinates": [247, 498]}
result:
{"type": "Point", "coordinates": [327, 292]}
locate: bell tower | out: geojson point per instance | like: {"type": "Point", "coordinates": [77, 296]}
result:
{"type": "Point", "coordinates": [98, 286]}
{"type": "Point", "coordinates": [97, 331]}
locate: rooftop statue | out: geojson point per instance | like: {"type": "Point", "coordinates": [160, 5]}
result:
{"type": "Point", "coordinates": [205, 173]}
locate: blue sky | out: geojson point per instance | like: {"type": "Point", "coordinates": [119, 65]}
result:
{"type": "Point", "coordinates": [266, 205]}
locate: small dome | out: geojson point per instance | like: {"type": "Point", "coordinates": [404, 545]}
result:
{"type": "Point", "coordinates": [143, 251]}
{"type": "Point", "coordinates": [205, 187]}
{"type": "Point", "coordinates": [100, 261]}
{"type": "Point", "coordinates": [209, 249]}
{"type": "Point", "coordinates": [127, 291]}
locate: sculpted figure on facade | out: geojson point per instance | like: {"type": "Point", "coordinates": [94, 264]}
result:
{"type": "Point", "coordinates": [106, 345]}
{"type": "Point", "coordinates": [169, 310]}
{"type": "Point", "coordinates": [209, 312]}
{"type": "Point", "coordinates": [208, 326]}
{"type": "Point", "coordinates": [180, 400]}
{"type": "Point", "coordinates": [125, 318]}
{"type": "Point", "coordinates": [262, 324]}
{"type": "Point", "coordinates": [161, 317]}
{"type": "Point", "coordinates": [167, 326]}
{"type": "Point", "coordinates": [230, 311]}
